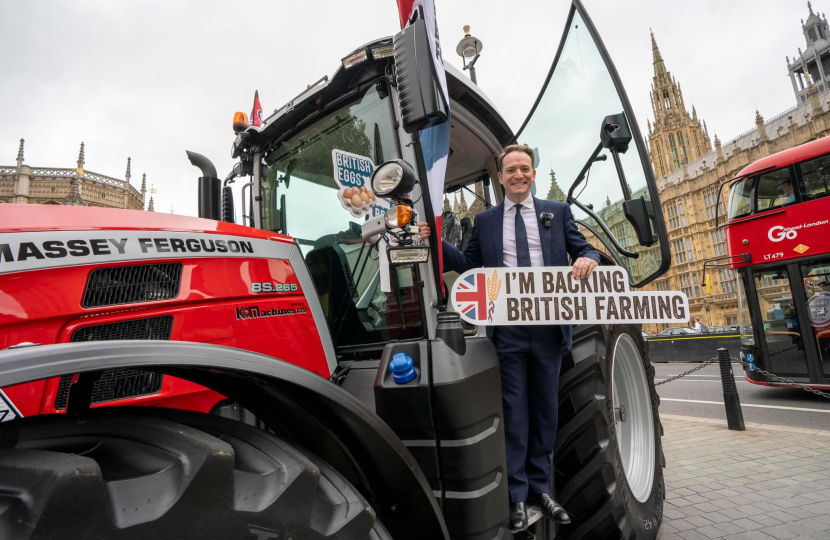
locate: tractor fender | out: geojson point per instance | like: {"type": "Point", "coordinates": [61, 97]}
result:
{"type": "Point", "coordinates": [298, 405]}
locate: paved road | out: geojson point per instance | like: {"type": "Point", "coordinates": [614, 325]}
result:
{"type": "Point", "coordinates": [780, 406]}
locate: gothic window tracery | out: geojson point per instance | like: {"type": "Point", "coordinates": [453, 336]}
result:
{"type": "Point", "coordinates": [660, 156]}
{"type": "Point", "coordinates": [666, 100]}
{"type": "Point", "coordinates": [673, 146]}
{"type": "Point", "coordinates": [682, 147]}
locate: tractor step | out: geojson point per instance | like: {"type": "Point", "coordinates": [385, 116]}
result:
{"type": "Point", "coordinates": [534, 514]}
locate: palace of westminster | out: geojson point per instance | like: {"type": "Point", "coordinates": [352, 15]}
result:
{"type": "Point", "coordinates": [688, 164]}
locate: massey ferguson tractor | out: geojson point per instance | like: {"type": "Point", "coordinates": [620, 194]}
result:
{"type": "Point", "coordinates": [303, 374]}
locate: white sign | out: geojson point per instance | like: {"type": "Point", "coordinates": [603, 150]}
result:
{"type": "Point", "coordinates": [353, 174]}
{"type": "Point", "coordinates": [551, 295]}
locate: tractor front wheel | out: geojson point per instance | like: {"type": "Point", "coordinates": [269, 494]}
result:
{"type": "Point", "coordinates": [165, 474]}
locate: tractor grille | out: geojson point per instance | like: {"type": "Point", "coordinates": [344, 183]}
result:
{"type": "Point", "coordinates": [120, 383]}
{"type": "Point", "coordinates": [115, 384]}
{"type": "Point", "coordinates": [131, 284]}
{"type": "Point", "coordinates": [152, 328]}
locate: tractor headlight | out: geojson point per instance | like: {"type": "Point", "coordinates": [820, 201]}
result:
{"type": "Point", "coordinates": [393, 179]}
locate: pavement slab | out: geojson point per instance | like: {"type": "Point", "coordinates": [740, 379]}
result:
{"type": "Point", "coordinates": [765, 483]}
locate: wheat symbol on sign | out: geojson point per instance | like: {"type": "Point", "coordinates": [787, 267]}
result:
{"type": "Point", "coordinates": [493, 288]}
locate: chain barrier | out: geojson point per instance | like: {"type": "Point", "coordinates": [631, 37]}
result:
{"type": "Point", "coordinates": [751, 367]}
{"type": "Point", "coordinates": [701, 366]}
{"type": "Point", "coordinates": [772, 376]}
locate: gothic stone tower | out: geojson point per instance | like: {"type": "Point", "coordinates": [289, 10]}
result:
{"type": "Point", "coordinates": [815, 60]}
{"type": "Point", "coordinates": [676, 137]}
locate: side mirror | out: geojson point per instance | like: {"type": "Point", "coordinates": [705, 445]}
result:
{"type": "Point", "coordinates": [640, 212]}
{"type": "Point", "coordinates": [421, 103]}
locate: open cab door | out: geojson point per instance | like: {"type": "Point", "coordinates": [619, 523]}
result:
{"type": "Point", "coordinates": [586, 139]}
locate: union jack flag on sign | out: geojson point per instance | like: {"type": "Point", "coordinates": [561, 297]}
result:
{"type": "Point", "coordinates": [471, 298]}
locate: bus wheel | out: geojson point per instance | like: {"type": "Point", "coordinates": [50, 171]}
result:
{"type": "Point", "coordinates": [164, 474]}
{"type": "Point", "coordinates": [608, 456]}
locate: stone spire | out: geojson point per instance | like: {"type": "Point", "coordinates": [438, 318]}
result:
{"type": "Point", "coordinates": [143, 189]}
{"type": "Point", "coordinates": [447, 207]}
{"type": "Point", "coordinates": [127, 186]}
{"type": "Point", "coordinates": [718, 149]}
{"type": "Point", "coordinates": [150, 207]}
{"type": "Point", "coordinates": [759, 123]}
{"type": "Point", "coordinates": [81, 161]}
{"type": "Point", "coordinates": [810, 7]}
{"type": "Point", "coordinates": [455, 205]}
{"type": "Point", "coordinates": [659, 66]}
{"type": "Point", "coordinates": [20, 154]}
{"type": "Point", "coordinates": [676, 137]}
{"type": "Point", "coordinates": [463, 208]}
{"type": "Point", "coordinates": [74, 198]}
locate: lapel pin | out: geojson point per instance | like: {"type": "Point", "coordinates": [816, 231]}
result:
{"type": "Point", "coordinates": [546, 218]}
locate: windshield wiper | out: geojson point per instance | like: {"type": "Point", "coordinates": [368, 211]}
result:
{"type": "Point", "coordinates": [489, 205]}
{"type": "Point", "coordinates": [584, 171]}
{"type": "Point", "coordinates": [378, 146]}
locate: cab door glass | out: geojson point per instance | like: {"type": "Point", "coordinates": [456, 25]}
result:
{"type": "Point", "coordinates": [564, 131]}
{"type": "Point", "coordinates": [780, 327]}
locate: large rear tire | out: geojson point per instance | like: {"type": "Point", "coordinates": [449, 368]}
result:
{"type": "Point", "coordinates": [163, 474]}
{"type": "Point", "coordinates": [608, 456]}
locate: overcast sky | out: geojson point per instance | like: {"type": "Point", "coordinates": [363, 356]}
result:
{"type": "Point", "coordinates": [150, 80]}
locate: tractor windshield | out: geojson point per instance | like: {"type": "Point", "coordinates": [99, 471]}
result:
{"type": "Point", "coordinates": [316, 185]}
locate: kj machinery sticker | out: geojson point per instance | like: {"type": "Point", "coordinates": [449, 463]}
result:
{"type": "Point", "coordinates": [352, 174]}
{"type": "Point", "coordinates": [551, 295]}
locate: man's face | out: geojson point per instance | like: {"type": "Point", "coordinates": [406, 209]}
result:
{"type": "Point", "coordinates": [788, 188]}
{"type": "Point", "coordinates": [517, 175]}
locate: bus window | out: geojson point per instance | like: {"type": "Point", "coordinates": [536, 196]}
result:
{"type": "Point", "coordinates": [775, 189]}
{"type": "Point", "coordinates": [816, 278]}
{"type": "Point", "coordinates": [816, 173]}
{"type": "Point", "coordinates": [740, 201]}
{"type": "Point", "coordinates": [780, 325]}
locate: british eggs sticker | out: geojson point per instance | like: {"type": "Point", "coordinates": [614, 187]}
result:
{"type": "Point", "coordinates": [352, 174]}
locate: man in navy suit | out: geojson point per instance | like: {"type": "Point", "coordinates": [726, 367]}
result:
{"type": "Point", "coordinates": [514, 234]}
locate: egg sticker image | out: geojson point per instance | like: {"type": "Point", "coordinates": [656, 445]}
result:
{"type": "Point", "coordinates": [353, 173]}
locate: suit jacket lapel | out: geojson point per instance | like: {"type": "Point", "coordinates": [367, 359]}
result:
{"type": "Point", "coordinates": [544, 232]}
{"type": "Point", "coordinates": [497, 234]}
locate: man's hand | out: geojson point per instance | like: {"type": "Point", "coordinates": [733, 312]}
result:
{"type": "Point", "coordinates": [583, 267]}
{"type": "Point", "coordinates": [424, 229]}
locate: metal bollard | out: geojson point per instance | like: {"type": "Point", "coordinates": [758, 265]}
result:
{"type": "Point", "coordinates": [734, 415]}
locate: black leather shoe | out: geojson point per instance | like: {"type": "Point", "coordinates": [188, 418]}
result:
{"type": "Point", "coordinates": [518, 516]}
{"type": "Point", "coordinates": [551, 509]}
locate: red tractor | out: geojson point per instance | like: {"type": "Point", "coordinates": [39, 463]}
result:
{"type": "Point", "coordinates": [173, 377]}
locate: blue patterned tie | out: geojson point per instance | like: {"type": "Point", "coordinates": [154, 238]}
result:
{"type": "Point", "coordinates": [522, 249]}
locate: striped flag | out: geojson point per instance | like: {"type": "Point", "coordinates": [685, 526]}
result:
{"type": "Point", "coordinates": [256, 113]}
{"type": "Point", "coordinates": [435, 140]}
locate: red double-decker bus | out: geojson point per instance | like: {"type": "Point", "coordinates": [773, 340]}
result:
{"type": "Point", "coordinates": [778, 238]}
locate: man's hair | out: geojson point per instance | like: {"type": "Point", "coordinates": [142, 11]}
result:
{"type": "Point", "coordinates": [517, 148]}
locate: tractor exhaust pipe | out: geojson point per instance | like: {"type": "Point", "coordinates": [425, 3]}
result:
{"type": "Point", "coordinates": [210, 187]}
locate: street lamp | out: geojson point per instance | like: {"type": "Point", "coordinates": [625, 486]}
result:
{"type": "Point", "coordinates": [469, 48]}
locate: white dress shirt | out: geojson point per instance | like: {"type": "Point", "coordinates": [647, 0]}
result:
{"type": "Point", "coordinates": [534, 240]}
